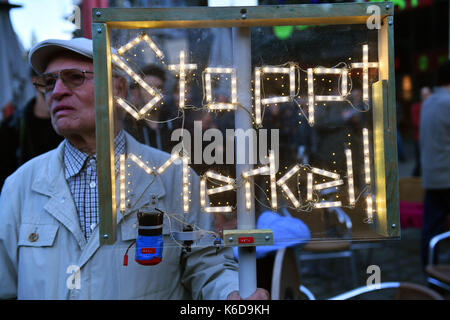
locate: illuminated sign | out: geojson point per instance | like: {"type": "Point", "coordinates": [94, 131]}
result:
{"type": "Point", "coordinates": [320, 83]}
{"type": "Point", "coordinates": [290, 70]}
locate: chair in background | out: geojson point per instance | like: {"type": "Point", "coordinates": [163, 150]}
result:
{"type": "Point", "coordinates": [342, 249]}
{"type": "Point", "coordinates": [403, 291]}
{"type": "Point", "coordinates": [438, 274]}
{"type": "Point", "coordinates": [286, 284]}
{"type": "Point", "coordinates": [285, 276]}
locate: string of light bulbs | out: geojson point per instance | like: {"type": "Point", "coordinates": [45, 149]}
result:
{"type": "Point", "coordinates": [344, 89]}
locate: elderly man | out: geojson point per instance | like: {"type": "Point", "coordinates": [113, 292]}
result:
{"type": "Point", "coordinates": [49, 234]}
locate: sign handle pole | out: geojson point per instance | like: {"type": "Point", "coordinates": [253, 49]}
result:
{"type": "Point", "coordinates": [245, 218]}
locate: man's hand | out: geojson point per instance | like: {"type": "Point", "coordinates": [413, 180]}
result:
{"type": "Point", "coordinates": [259, 294]}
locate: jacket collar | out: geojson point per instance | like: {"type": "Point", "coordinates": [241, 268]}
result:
{"type": "Point", "coordinates": [47, 178]}
{"type": "Point", "coordinates": [50, 181]}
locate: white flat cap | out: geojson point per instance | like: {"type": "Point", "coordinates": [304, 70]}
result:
{"type": "Point", "coordinates": [42, 52]}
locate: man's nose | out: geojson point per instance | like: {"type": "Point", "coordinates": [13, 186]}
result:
{"type": "Point", "coordinates": [60, 90]}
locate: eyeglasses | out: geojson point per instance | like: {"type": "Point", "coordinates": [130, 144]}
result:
{"type": "Point", "coordinates": [71, 78]}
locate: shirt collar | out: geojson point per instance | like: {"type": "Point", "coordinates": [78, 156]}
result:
{"type": "Point", "coordinates": [75, 159]}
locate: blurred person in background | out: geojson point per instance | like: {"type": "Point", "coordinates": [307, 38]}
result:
{"type": "Point", "coordinates": [155, 129]}
{"type": "Point", "coordinates": [434, 137]}
{"type": "Point", "coordinates": [25, 134]}
{"type": "Point", "coordinates": [415, 118]}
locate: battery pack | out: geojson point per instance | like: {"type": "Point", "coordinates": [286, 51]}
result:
{"type": "Point", "coordinates": [149, 242]}
{"type": "Point", "coordinates": [149, 250]}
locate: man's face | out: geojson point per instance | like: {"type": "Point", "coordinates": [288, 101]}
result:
{"type": "Point", "coordinates": [72, 110]}
{"type": "Point", "coordinates": [152, 81]}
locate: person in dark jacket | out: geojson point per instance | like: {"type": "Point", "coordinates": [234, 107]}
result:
{"type": "Point", "coordinates": [27, 133]}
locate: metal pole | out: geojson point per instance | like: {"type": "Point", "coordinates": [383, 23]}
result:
{"type": "Point", "coordinates": [245, 218]}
